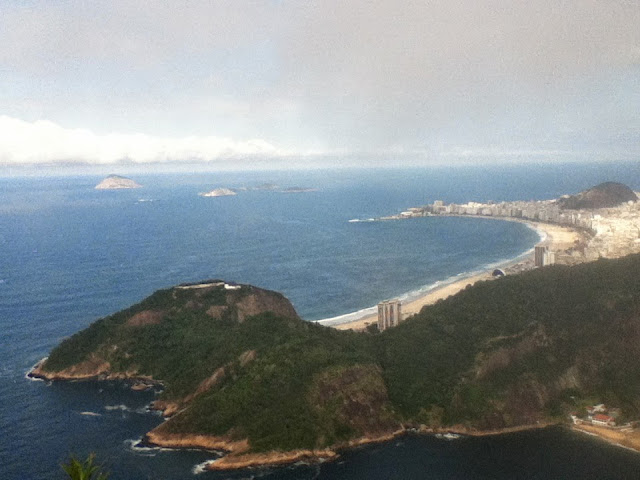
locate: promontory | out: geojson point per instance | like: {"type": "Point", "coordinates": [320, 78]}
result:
{"type": "Point", "coordinates": [243, 373]}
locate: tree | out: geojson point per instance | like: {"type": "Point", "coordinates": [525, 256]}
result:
{"type": "Point", "coordinates": [86, 470]}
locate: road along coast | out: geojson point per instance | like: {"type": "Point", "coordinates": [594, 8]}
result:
{"type": "Point", "coordinates": [560, 239]}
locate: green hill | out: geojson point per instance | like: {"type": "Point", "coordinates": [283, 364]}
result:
{"type": "Point", "coordinates": [240, 365]}
{"type": "Point", "coordinates": [605, 195]}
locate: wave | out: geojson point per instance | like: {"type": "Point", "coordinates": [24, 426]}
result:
{"type": "Point", "coordinates": [90, 414]}
{"type": "Point", "coordinates": [348, 317]}
{"type": "Point", "coordinates": [28, 376]}
{"type": "Point", "coordinates": [33, 379]}
{"type": "Point", "coordinates": [201, 467]}
{"type": "Point", "coordinates": [145, 410]}
{"type": "Point", "coordinates": [120, 407]}
{"type": "Point", "coordinates": [138, 447]}
{"type": "Point", "coordinates": [362, 220]}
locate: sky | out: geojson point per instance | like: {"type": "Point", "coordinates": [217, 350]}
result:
{"type": "Point", "coordinates": [244, 82]}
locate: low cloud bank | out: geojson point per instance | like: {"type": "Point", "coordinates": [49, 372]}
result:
{"type": "Point", "coordinates": [44, 142]}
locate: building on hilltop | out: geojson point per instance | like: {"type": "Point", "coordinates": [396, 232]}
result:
{"type": "Point", "coordinates": [389, 314]}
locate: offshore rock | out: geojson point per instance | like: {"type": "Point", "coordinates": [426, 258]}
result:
{"type": "Point", "coordinates": [116, 182]}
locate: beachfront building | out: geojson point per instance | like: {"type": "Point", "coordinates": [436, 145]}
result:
{"type": "Point", "coordinates": [389, 314]}
{"type": "Point", "coordinates": [540, 251]}
{"type": "Point", "coordinates": [603, 420]}
{"type": "Point", "coordinates": [543, 256]}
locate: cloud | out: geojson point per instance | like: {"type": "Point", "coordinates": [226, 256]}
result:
{"type": "Point", "coordinates": [44, 142]}
{"type": "Point", "coordinates": [454, 70]}
{"type": "Point", "coordinates": [332, 75]}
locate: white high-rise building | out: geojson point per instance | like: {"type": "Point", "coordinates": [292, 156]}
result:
{"type": "Point", "coordinates": [389, 314]}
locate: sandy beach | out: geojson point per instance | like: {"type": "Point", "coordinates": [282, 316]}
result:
{"type": "Point", "coordinates": [629, 438]}
{"type": "Point", "coordinates": [557, 238]}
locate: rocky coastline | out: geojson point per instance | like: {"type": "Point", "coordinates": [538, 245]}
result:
{"type": "Point", "coordinates": [99, 371]}
{"type": "Point", "coordinates": [236, 455]}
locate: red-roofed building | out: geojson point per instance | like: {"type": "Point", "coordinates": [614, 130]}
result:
{"type": "Point", "coordinates": [604, 420]}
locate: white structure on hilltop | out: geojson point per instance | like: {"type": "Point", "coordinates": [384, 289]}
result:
{"type": "Point", "coordinates": [389, 314]}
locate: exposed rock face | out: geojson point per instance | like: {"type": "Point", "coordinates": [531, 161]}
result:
{"type": "Point", "coordinates": [605, 195]}
{"type": "Point", "coordinates": [258, 301]}
{"type": "Point", "coordinates": [219, 192]}
{"type": "Point", "coordinates": [355, 397]}
{"type": "Point", "coordinates": [238, 301]}
{"type": "Point", "coordinates": [146, 317]}
{"type": "Point", "coordinates": [116, 182]}
{"type": "Point", "coordinates": [92, 367]}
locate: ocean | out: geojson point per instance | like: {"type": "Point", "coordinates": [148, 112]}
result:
{"type": "Point", "coordinates": [71, 254]}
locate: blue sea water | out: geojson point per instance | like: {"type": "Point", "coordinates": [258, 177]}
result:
{"type": "Point", "coordinates": [71, 254]}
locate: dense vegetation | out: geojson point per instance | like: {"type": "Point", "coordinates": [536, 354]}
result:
{"type": "Point", "coordinates": [514, 350]}
{"type": "Point", "coordinates": [511, 351]}
{"type": "Point", "coordinates": [84, 469]}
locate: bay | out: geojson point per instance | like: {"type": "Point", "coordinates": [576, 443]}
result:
{"type": "Point", "coordinates": [71, 254]}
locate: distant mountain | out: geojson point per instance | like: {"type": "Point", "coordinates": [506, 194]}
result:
{"type": "Point", "coordinates": [116, 182]}
{"type": "Point", "coordinates": [605, 195]}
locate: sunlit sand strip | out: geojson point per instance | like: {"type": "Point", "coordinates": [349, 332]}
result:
{"type": "Point", "coordinates": [557, 237]}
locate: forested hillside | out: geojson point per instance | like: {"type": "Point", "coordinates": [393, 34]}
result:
{"type": "Point", "coordinates": [239, 363]}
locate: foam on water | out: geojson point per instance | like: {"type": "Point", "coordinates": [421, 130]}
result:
{"type": "Point", "coordinates": [201, 467]}
{"type": "Point", "coordinates": [121, 407]}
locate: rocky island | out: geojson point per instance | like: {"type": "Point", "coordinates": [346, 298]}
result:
{"type": "Point", "coordinates": [116, 182]}
{"type": "Point", "coordinates": [243, 373]}
{"type": "Point", "coordinates": [219, 192]}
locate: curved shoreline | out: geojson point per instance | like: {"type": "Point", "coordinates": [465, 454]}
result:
{"type": "Point", "coordinates": [619, 438]}
{"type": "Point", "coordinates": [557, 237]}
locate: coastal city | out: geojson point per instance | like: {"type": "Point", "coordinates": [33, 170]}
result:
{"type": "Point", "coordinates": [605, 232]}
{"type": "Point", "coordinates": [606, 224]}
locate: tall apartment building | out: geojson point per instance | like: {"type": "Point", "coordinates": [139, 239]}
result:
{"type": "Point", "coordinates": [549, 257]}
{"type": "Point", "coordinates": [543, 256]}
{"type": "Point", "coordinates": [389, 314]}
{"type": "Point", "coordinates": [538, 259]}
